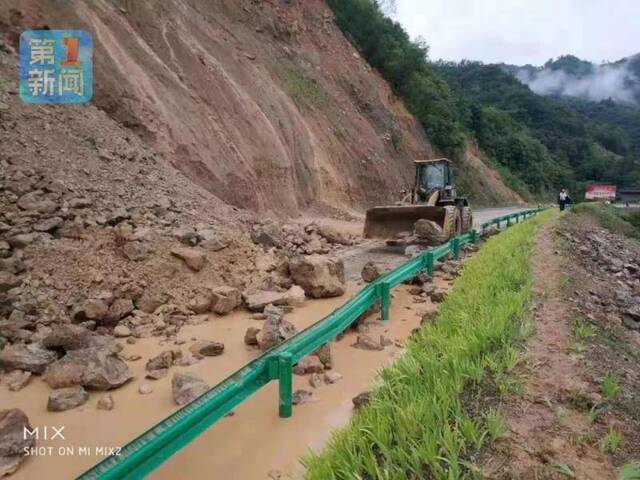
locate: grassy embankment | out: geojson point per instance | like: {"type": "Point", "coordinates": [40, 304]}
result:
{"type": "Point", "coordinates": [612, 218]}
{"type": "Point", "coordinates": [416, 425]}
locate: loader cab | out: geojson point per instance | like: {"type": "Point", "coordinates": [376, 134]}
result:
{"type": "Point", "coordinates": [434, 176]}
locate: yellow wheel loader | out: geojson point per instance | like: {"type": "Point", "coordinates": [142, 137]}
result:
{"type": "Point", "coordinates": [432, 202]}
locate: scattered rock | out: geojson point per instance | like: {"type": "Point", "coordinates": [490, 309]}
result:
{"type": "Point", "coordinates": [186, 387]}
{"type": "Point", "coordinates": [256, 302]}
{"type": "Point", "coordinates": [63, 399]}
{"type": "Point", "coordinates": [438, 296]}
{"type": "Point", "coordinates": [105, 403]}
{"type": "Point", "coordinates": [145, 388]}
{"type": "Point", "coordinates": [308, 364]}
{"type": "Point", "coordinates": [324, 354]}
{"type": "Point", "coordinates": [8, 281]}
{"type": "Point", "coordinates": [94, 367]}
{"type": "Point", "coordinates": [135, 251]}
{"type": "Point", "coordinates": [370, 272]}
{"type": "Point", "coordinates": [319, 276]}
{"type": "Point", "coordinates": [361, 399]}
{"type": "Point", "coordinates": [315, 380]}
{"type": "Point", "coordinates": [201, 302]}
{"type": "Point", "coordinates": [301, 396]}
{"type": "Point", "coordinates": [93, 309]}
{"type": "Point", "coordinates": [121, 331]}
{"type": "Point", "coordinates": [225, 299]}
{"type": "Point", "coordinates": [206, 348]}
{"type": "Point", "coordinates": [332, 377]}
{"type": "Point", "coordinates": [195, 259]}
{"type": "Point", "coordinates": [365, 342]}
{"type": "Point", "coordinates": [276, 329]}
{"type": "Point", "coordinates": [48, 225]}
{"type": "Point", "coordinates": [13, 441]}
{"type": "Point", "coordinates": [385, 341]}
{"type": "Point", "coordinates": [119, 309]}
{"type": "Point", "coordinates": [162, 360]}
{"type": "Point", "coordinates": [32, 357]}
{"type": "Point", "coordinates": [17, 380]}
{"type": "Point", "coordinates": [332, 235]}
{"type": "Point", "coordinates": [251, 336]}
{"type": "Point", "coordinates": [412, 250]}
{"type": "Point", "coordinates": [157, 374]}
{"type": "Point", "coordinates": [295, 296]}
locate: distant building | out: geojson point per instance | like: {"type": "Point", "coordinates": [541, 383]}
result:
{"type": "Point", "coordinates": [631, 195]}
{"type": "Point", "coordinates": [600, 193]}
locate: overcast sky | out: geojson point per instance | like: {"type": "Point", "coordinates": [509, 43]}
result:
{"type": "Point", "coordinates": [524, 31]}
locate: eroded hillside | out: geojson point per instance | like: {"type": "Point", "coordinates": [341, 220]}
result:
{"type": "Point", "coordinates": [265, 104]}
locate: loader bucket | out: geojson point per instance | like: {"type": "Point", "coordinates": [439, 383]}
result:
{"type": "Point", "coordinates": [388, 222]}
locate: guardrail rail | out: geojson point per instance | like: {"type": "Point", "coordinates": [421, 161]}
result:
{"type": "Point", "coordinates": [148, 451]}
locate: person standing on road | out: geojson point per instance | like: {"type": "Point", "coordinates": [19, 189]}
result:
{"type": "Point", "coordinates": [563, 199]}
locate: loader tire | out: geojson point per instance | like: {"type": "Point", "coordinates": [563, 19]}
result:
{"type": "Point", "coordinates": [467, 219]}
{"type": "Point", "coordinates": [451, 221]}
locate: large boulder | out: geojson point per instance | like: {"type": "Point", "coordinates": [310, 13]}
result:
{"type": "Point", "coordinates": [186, 387]}
{"type": "Point", "coordinates": [225, 299]}
{"type": "Point", "coordinates": [429, 231]}
{"type": "Point", "coordinates": [319, 276]}
{"type": "Point", "coordinates": [276, 329]}
{"type": "Point", "coordinates": [333, 235]}
{"type": "Point", "coordinates": [32, 357]}
{"type": "Point", "coordinates": [96, 368]}
{"type": "Point", "coordinates": [74, 337]}
{"type": "Point", "coordinates": [13, 440]}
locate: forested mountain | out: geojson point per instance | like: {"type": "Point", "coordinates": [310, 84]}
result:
{"type": "Point", "coordinates": [571, 77]}
{"type": "Point", "coordinates": [538, 143]}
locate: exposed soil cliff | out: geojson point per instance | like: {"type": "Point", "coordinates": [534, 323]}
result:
{"type": "Point", "coordinates": [263, 103]}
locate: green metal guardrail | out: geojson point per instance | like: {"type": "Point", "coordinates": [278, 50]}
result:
{"type": "Point", "coordinates": [148, 451]}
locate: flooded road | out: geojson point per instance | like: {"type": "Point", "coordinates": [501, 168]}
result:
{"type": "Point", "coordinates": [254, 440]}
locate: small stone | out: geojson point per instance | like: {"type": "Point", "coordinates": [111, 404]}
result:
{"type": "Point", "coordinates": [315, 380]}
{"type": "Point", "coordinates": [361, 399]}
{"type": "Point", "coordinates": [122, 331]}
{"type": "Point", "coordinates": [157, 374]}
{"type": "Point", "coordinates": [225, 299]}
{"type": "Point", "coordinates": [95, 309]}
{"type": "Point", "coordinates": [365, 342]}
{"type": "Point", "coordinates": [17, 380]}
{"type": "Point", "coordinates": [301, 396]}
{"type": "Point", "coordinates": [256, 302]}
{"type": "Point", "coordinates": [145, 388]}
{"type": "Point", "coordinates": [13, 442]}
{"type": "Point", "coordinates": [66, 398]}
{"type": "Point", "coordinates": [251, 336]}
{"type": "Point", "coordinates": [295, 296]}
{"type": "Point", "coordinates": [162, 360]}
{"type": "Point", "coordinates": [8, 281]}
{"type": "Point", "coordinates": [48, 225]}
{"type": "Point", "coordinates": [119, 309]}
{"type": "Point", "coordinates": [385, 341]}
{"type": "Point", "coordinates": [206, 348]}
{"type": "Point", "coordinates": [186, 387]}
{"type": "Point", "coordinates": [438, 296]}
{"type": "Point", "coordinates": [195, 259]}
{"type": "Point", "coordinates": [105, 403]}
{"type": "Point", "coordinates": [332, 377]}
{"type": "Point", "coordinates": [200, 303]}
{"type": "Point", "coordinates": [308, 364]}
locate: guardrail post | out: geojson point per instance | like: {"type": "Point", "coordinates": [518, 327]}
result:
{"type": "Point", "coordinates": [384, 291]}
{"type": "Point", "coordinates": [430, 263]}
{"type": "Point", "coordinates": [508, 221]}
{"type": "Point", "coordinates": [455, 247]}
{"type": "Point", "coordinates": [474, 236]}
{"type": "Point", "coordinates": [285, 383]}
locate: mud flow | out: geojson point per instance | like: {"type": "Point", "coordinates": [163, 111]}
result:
{"type": "Point", "coordinates": [255, 427]}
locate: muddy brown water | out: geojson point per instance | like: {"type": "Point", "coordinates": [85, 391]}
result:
{"type": "Point", "coordinates": [246, 445]}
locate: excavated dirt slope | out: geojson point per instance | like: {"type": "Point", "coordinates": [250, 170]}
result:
{"type": "Point", "coordinates": [263, 103]}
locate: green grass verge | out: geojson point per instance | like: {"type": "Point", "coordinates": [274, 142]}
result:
{"type": "Point", "coordinates": [612, 218]}
{"type": "Point", "coordinates": [415, 426]}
